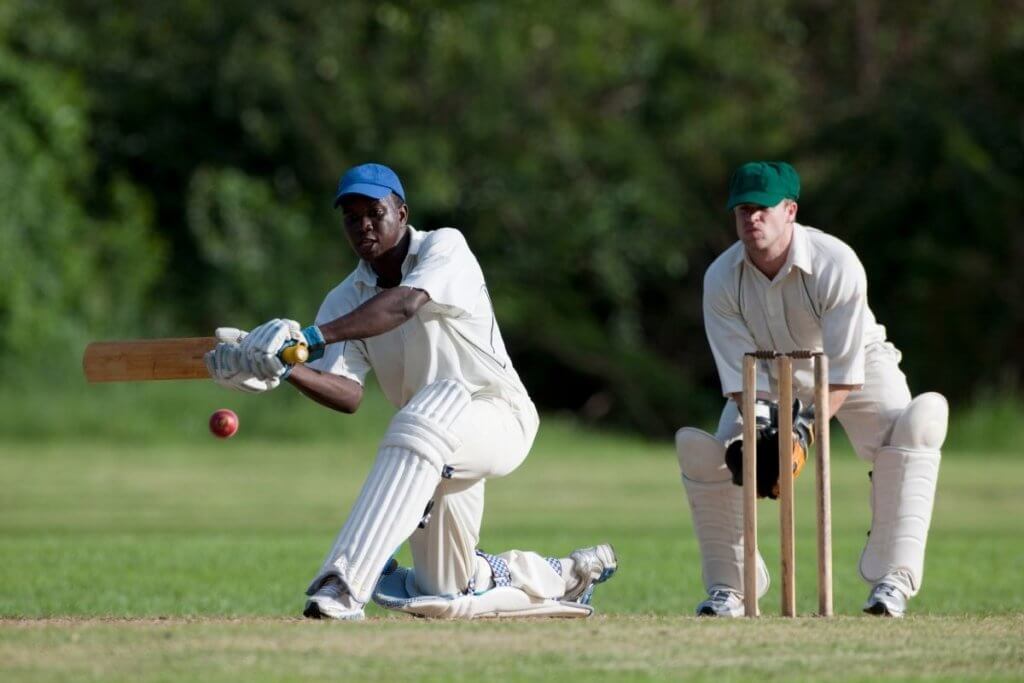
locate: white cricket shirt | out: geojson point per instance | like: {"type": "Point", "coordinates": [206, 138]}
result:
{"type": "Point", "coordinates": [453, 336]}
{"type": "Point", "coordinates": [818, 301]}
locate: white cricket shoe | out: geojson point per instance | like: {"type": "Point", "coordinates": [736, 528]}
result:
{"type": "Point", "coordinates": [886, 600]}
{"type": "Point", "coordinates": [591, 566]}
{"type": "Point", "coordinates": [332, 601]}
{"type": "Point", "coordinates": [721, 602]}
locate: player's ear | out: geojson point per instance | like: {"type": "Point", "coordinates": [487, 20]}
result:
{"type": "Point", "coordinates": [401, 207]}
{"type": "Point", "coordinates": [791, 208]}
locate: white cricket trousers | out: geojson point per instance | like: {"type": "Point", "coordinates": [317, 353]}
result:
{"type": "Point", "coordinates": [867, 415]}
{"type": "Point", "coordinates": [495, 441]}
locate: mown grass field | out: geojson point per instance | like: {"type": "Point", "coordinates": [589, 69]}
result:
{"type": "Point", "coordinates": [135, 547]}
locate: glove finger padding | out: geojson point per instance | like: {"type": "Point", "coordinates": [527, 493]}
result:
{"type": "Point", "coordinates": [263, 366]}
{"type": "Point", "coordinates": [261, 346]}
{"type": "Point", "coordinates": [225, 365]}
{"type": "Point", "coordinates": [230, 335]}
{"type": "Point", "coordinates": [223, 362]}
{"type": "Point", "coordinates": [253, 385]}
{"type": "Point", "coordinates": [270, 337]}
{"type": "Point", "coordinates": [767, 461]}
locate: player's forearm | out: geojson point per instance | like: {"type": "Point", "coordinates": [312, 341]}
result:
{"type": "Point", "coordinates": [381, 314]}
{"type": "Point", "coordinates": [337, 393]}
{"type": "Point", "coordinates": [837, 393]}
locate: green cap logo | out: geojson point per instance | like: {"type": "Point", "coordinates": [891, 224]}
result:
{"type": "Point", "coordinates": [765, 183]}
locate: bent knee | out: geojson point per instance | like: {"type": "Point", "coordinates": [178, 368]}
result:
{"type": "Point", "coordinates": [701, 456]}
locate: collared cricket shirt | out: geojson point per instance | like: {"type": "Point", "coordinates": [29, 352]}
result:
{"type": "Point", "coordinates": [454, 336]}
{"type": "Point", "coordinates": [818, 301]}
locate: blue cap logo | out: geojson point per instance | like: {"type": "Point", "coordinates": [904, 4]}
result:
{"type": "Point", "coordinates": [371, 180]}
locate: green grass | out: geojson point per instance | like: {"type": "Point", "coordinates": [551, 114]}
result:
{"type": "Point", "coordinates": [619, 648]}
{"type": "Point", "coordinates": [142, 549]}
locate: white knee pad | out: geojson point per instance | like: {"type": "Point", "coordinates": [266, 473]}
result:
{"type": "Point", "coordinates": [701, 456]}
{"type": "Point", "coordinates": [922, 425]}
{"type": "Point", "coordinates": [424, 424]}
{"type": "Point", "coordinates": [903, 483]}
{"type": "Point", "coordinates": [397, 590]}
{"type": "Point", "coordinates": [409, 466]}
{"type": "Point", "coordinates": [716, 507]}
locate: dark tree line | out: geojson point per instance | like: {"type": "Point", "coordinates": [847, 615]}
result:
{"type": "Point", "coordinates": [165, 167]}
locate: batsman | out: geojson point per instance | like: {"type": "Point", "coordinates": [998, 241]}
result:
{"type": "Point", "coordinates": [785, 286]}
{"type": "Point", "coordinates": [416, 311]}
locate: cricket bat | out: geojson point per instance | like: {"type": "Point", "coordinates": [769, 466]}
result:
{"type": "Point", "coordinates": [142, 360]}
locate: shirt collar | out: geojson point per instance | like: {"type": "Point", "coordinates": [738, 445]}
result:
{"type": "Point", "coordinates": [799, 253]}
{"type": "Point", "coordinates": [365, 274]}
{"type": "Point", "coordinates": [800, 250]}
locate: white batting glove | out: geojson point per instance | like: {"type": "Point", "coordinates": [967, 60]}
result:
{"type": "Point", "coordinates": [261, 346]}
{"type": "Point", "coordinates": [224, 363]}
{"type": "Point", "coordinates": [230, 335]}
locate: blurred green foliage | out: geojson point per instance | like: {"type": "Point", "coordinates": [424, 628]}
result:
{"type": "Point", "coordinates": [166, 167]}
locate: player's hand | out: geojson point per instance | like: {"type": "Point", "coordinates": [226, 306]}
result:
{"type": "Point", "coordinates": [803, 425]}
{"type": "Point", "coordinates": [768, 449]}
{"type": "Point", "coordinates": [224, 363]}
{"type": "Point", "coordinates": [260, 348]}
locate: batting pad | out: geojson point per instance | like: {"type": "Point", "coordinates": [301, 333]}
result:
{"type": "Point", "coordinates": [396, 590]}
{"type": "Point", "coordinates": [424, 424]}
{"type": "Point", "coordinates": [716, 508]}
{"type": "Point", "coordinates": [385, 514]}
{"type": "Point", "coordinates": [403, 480]}
{"type": "Point", "coordinates": [903, 483]}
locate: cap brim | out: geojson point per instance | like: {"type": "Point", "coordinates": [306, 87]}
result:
{"type": "Point", "coordinates": [365, 189]}
{"type": "Point", "coordinates": [758, 198]}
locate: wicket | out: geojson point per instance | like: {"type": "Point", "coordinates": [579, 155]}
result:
{"type": "Point", "coordinates": [784, 365]}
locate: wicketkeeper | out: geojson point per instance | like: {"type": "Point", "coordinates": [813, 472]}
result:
{"type": "Point", "coordinates": [784, 286]}
{"type": "Point", "coordinates": [416, 311]}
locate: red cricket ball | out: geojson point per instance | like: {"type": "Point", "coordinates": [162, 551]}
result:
{"type": "Point", "coordinates": [223, 423]}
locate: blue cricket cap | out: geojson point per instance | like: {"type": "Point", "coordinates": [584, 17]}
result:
{"type": "Point", "coordinates": [371, 180]}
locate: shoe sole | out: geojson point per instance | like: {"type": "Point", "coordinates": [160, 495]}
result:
{"type": "Point", "coordinates": [707, 611]}
{"type": "Point", "coordinates": [314, 611]}
{"type": "Point", "coordinates": [880, 610]}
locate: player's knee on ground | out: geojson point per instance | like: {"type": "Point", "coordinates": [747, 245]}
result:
{"type": "Point", "coordinates": [701, 456]}
{"type": "Point", "coordinates": [444, 547]}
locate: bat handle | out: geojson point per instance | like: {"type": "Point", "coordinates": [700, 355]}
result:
{"type": "Point", "coordinates": [295, 354]}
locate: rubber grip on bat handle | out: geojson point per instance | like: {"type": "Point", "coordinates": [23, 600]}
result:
{"type": "Point", "coordinates": [296, 354]}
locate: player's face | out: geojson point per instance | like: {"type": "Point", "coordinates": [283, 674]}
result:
{"type": "Point", "coordinates": [373, 226]}
{"type": "Point", "coordinates": [762, 227]}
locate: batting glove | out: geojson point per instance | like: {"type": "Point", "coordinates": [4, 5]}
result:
{"type": "Point", "coordinates": [260, 348]}
{"type": "Point", "coordinates": [224, 363]}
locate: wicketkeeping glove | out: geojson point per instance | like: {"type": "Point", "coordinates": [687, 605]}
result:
{"type": "Point", "coordinates": [768, 449]}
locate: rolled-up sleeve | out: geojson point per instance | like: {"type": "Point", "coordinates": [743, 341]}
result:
{"type": "Point", "coordinates": [727, 332]}
{"type": "Point", "coordinates": [447, 271]}
{"type": "Point", "coordinates": [844, 295]}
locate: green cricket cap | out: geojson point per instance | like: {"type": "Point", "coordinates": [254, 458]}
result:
{"type": "Point", "coordinates": [765, 183]}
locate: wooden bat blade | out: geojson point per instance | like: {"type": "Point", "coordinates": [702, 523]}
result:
{"type": "Point", "coordinates": [141, 360]}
